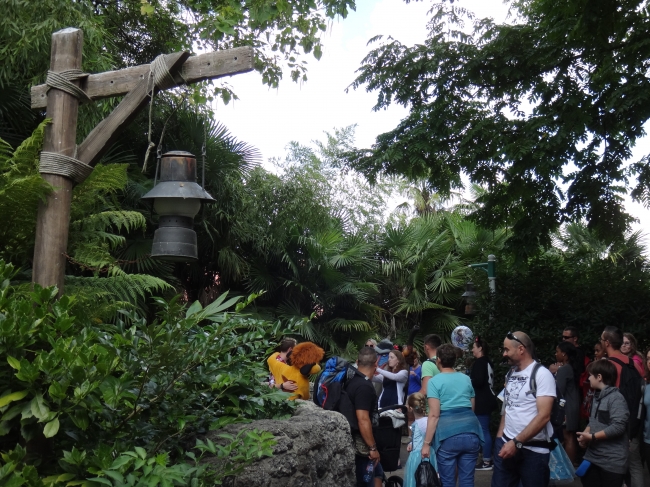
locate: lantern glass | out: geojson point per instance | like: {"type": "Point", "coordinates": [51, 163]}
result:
{"type": "Point", "coordinates": [188, 207]}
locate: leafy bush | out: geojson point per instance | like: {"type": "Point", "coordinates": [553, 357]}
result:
{"type": "Point", "coordinates": [87, 403]}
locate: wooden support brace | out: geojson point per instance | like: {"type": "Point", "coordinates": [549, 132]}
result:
{"type": "Point", "coordinates": [107, 131]}
{"type": "Point", "coordinates": [197, 68]}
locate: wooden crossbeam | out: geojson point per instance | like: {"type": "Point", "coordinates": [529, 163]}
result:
{"type": "Point", "coordinates": [108, 130]}
{"type": "Point", "coordinates": [197, 68]}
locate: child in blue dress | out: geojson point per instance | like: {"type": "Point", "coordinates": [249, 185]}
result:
{"type": "Point", "coordinates": [417, 405]}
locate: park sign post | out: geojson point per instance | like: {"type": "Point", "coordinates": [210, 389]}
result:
{"type": "Point", "coordinates": [63, 163]}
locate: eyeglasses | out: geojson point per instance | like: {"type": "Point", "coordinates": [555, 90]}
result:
{"type": "Point", "coordinates": [510, 336]}
{"type": "Point", "coordinates": [564, 337]}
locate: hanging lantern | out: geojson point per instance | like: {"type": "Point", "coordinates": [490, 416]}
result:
{"type": "Point", "coordinates": [177, 199]}
{"type": "Point", "coordinates": [470, 298]}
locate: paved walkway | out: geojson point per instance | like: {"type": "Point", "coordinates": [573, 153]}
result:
{"type": "Point", "coordinates": [481, 478]}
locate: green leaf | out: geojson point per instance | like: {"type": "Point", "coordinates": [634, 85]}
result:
{"type": "Point", "coordinates": [195, 308]}
{"type": "Point", "coordinates": [51, 428]}
{"type": "Point", "coordinates": [39, 409]}
{"type": "Point", "coordinates": [102, 481]}
{"type": "Point", "coordinates": [14, 396]}
{"type": "Point", "coordinates": [15, 363]}
{"type": "Point", "coordinates": [120, 462]}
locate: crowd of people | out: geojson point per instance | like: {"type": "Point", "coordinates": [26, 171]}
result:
{"type": "Point", "coordinates": [589, 406]}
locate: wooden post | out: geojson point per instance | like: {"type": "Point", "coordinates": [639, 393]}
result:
{"type": "Point", "coordinates": [53, 222]}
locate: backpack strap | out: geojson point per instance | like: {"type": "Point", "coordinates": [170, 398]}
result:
{"type": "Point", "coordinates": [505, 386]}
{"type": "Point", "coordinates": [619, 361]}
{"type": "Point", "coordinates": [533, 380]}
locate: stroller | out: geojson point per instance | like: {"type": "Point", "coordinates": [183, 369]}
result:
{"type": "Point", "coordinates": [389, 445]}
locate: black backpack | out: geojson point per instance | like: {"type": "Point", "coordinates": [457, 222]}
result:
{"type": "Point", "coordinates": [631, 386]}
{"type": "Point", "coordinates": [330, 389]}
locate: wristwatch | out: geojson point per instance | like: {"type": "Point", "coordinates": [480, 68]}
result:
{"type": "Point", "coordinates": [373, 447]}
{"type": "Point", "coordinates": [518, 444]}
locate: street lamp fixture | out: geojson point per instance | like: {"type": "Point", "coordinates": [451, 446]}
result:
{"type": "Point", "coordinates": [470, 297]}
{"type": "Point", "coordinates": [177, 199]}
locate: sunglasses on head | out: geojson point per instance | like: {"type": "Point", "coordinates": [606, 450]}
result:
{"type": "Point", "coordinates": [510, 336]}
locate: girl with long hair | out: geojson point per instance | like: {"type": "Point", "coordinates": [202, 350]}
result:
{"type": "Point", "coordinates": [567, 379]}
{"type": "Point", "coordinates": [417, 406]}
{"type": "Point", "coordinates": [629, 348]}
{"type": "Point", "coordinates": [482, 376]}
{"type": "Point", "coordinates": [393, 379]}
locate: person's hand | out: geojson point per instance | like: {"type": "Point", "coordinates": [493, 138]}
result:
{"type": "Point", "coordinates": [412, 373]}
{"type": "Point", "coordinates": [289, 386]}
{"type": "Point", "coordinates": [425, 450]}
{"type": "Point", "coordinates": [508, 450]}
{"type": "Point", "coordinates": [374, 456]}
{"type": "Point", "coordinates": [409, 447]}
{"type": "Point", "coordinates": [553, 367]}
{"type": "Point", "coordinates": [584, 438]}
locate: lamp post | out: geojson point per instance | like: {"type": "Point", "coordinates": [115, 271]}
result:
{"type": "Point", "coordinates": [491, 268]}
{"type": "Point", "coordinates": [177, 199]}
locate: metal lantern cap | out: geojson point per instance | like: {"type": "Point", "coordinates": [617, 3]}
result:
{"type": "Point", "coordinates": [178, 178]}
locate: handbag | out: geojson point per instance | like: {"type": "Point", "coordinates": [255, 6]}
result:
{"type": "Point", "coordinates": [562, 471]}
{"type": "Point", "coordinates": [426, 475]}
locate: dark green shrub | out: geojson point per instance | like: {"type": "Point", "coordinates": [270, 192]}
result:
{"type": "Point", "coordinates": [123, 403]}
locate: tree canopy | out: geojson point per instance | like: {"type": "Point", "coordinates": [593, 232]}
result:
{"type": "Point", "coordinates": [544, 112]}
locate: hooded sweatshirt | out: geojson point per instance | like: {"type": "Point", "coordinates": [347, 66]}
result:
{"type": "Point", "coordinates": [609, 413]}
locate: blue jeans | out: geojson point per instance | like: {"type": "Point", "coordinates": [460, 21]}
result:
{"type": "Point", "coordinates": [484, 419]}
{"type": "Point", "coordinates": [528, 467]}
{"type": "Point", "coordinates": [361, 463]}
{"type": "Point", "coordinates": [459, 451]}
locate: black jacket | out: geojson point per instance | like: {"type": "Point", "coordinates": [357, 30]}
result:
{"type": "Point", "coordinates": [485, 401]}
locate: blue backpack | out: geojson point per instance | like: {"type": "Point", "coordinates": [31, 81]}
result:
{"type": "Point", "coordinates": [329, 389]}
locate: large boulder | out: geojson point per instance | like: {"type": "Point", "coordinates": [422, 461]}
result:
{"type": "Point", "coordinates": [314, 449]}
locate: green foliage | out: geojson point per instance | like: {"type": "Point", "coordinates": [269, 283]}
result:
{"type": "Point", "coordinates": [586, 285]}
{"type": "Point", "coordinates": [555, 100]}
{"type": "Point", "coordinates": [21, 190]}
{"type": "Point", "coordinates": [121, 403]}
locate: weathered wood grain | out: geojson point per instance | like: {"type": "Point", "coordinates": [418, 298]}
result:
{"type": "Point", "coordinates": [107, 131]}
{"type": "Point", "coordinates": [197, 68]}
{"type": "Point", "coordinates": [53, 220]}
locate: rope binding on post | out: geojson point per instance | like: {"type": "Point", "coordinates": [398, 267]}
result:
{"type": "Point", "coordinates": [53, 162]}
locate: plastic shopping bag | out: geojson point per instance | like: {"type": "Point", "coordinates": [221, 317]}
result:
{"type": "Point", "coordinates": [562, 471]}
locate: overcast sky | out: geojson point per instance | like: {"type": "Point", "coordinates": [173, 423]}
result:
{"type": "Point", "coordinates": [269, 119]}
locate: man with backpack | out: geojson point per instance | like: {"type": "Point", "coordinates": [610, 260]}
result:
{"type": "Point", "coordinates": [349, 391]}
{"type": "Point", "coordinates": [522, 446]}
{"type": "Point", "coordinates": [362, 395]}
{"type": "Point", "coordinates": [629, 381]}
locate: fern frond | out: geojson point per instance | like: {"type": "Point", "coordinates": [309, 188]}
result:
{"type": "Point", "coordinates": [125, 288]}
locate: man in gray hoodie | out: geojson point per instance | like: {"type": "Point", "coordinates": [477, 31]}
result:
{"type": "Point", "coordinates": [606, 436]}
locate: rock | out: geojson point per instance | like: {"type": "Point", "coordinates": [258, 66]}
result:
{"type": "Point", "coordinates": [314, 449]}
